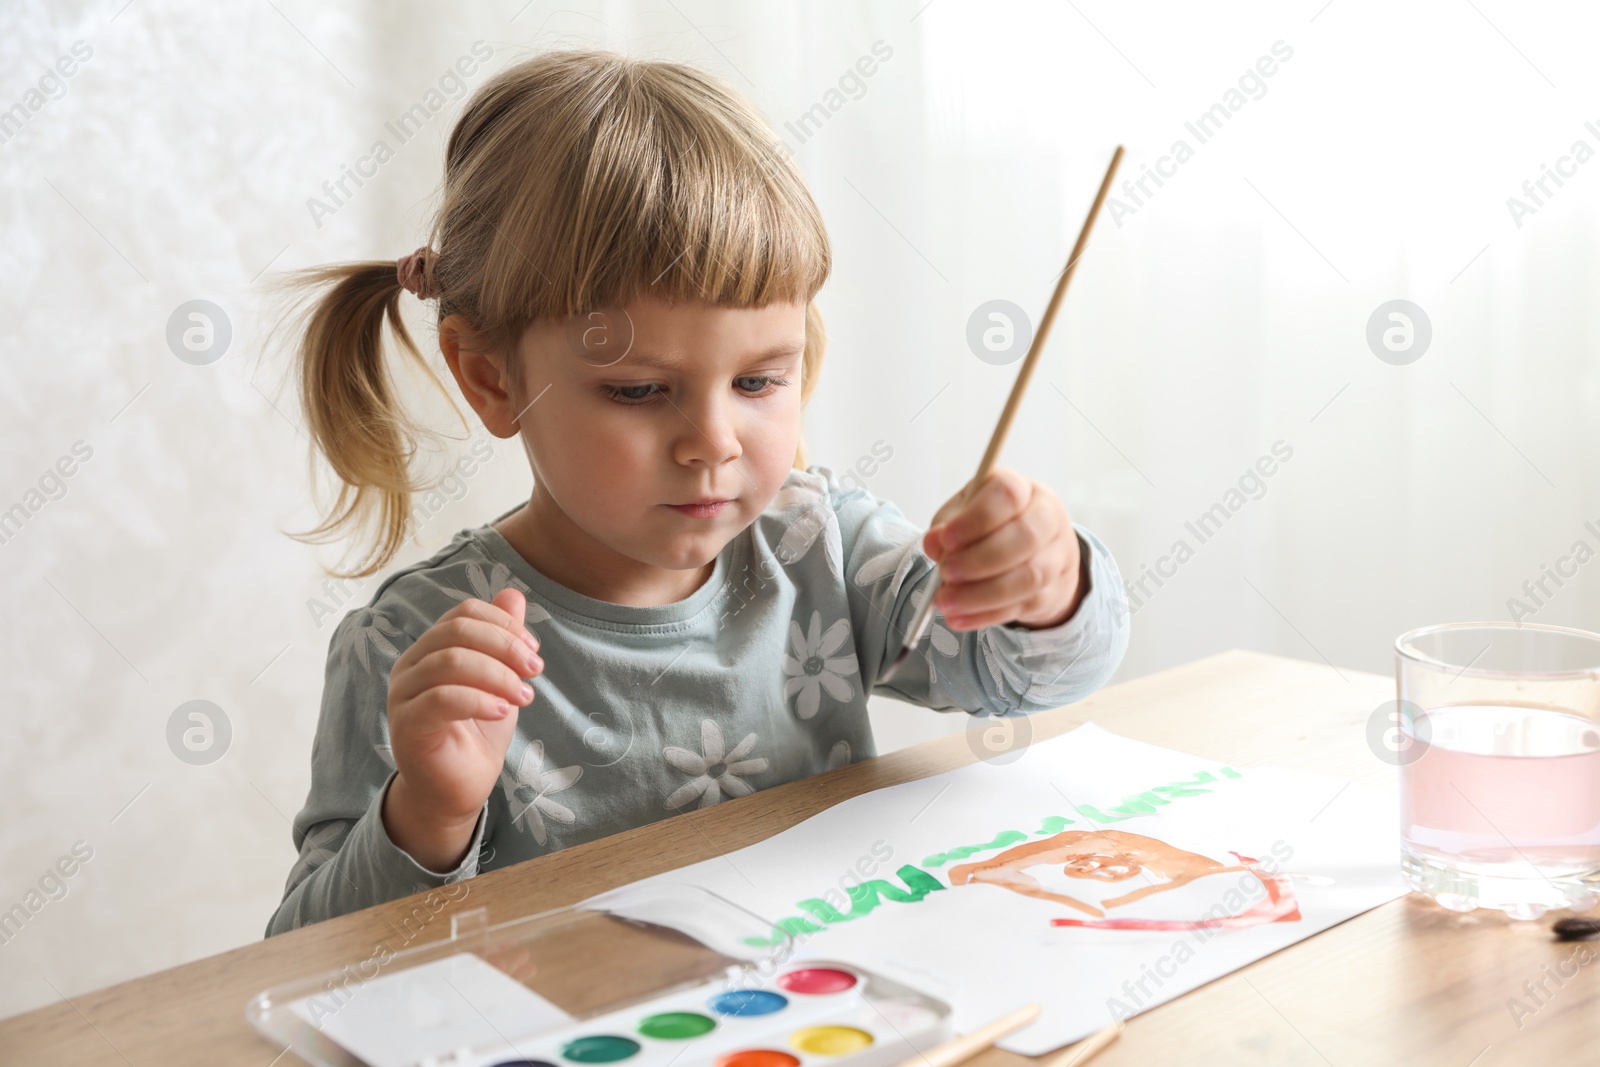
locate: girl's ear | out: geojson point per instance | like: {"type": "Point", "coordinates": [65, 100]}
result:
{"type": "Point", "coordinates": [480, 374]}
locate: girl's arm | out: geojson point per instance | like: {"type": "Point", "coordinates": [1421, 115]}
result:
{"type": "Point", "coordinates": [348, 860]}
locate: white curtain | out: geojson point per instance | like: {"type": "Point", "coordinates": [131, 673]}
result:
{"type": "Point", "coordinates": [1219, 321]}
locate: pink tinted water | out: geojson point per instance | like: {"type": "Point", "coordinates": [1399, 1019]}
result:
{"type": "Point", "coordinates": [1507, 790]}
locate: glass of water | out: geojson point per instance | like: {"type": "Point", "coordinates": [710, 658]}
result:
{"type": "Point", "coordinates": [1499, 752]}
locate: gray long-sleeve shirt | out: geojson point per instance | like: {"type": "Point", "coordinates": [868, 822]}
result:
{"type": "Point", "coordinates": [759, 677]}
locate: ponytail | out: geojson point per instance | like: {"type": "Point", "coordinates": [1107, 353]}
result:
{"type": "Point", "coordinates": [354, 417]}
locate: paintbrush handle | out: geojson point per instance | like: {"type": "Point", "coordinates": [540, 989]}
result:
{"type": "Point", "coordinates": [1097, 1041]}
{"type": "Point", "coordinates": [919, 624]}
{"type": "Point", "coordinates": [998, 439]}
{"type": "Point", "coordinates": [960, 1049]}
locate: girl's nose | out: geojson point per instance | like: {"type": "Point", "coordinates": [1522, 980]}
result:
{"type": "Point", "coordinates": [709, 435]}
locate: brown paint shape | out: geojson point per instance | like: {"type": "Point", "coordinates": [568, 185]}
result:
{"type": "Point", "coordinates": [1102, 855]}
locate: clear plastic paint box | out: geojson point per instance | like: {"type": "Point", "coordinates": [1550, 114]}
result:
{"type": "Point", "coordinates": [642, 977]}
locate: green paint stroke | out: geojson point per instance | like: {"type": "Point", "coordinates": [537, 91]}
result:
{"type": "Point", "coordinates": [961, 852]}
{"type": "Point", "coordinates": [1053, 824]}
{"type": "Point", "coordinates": [868, 895]}
{"type": "Point", "coordinates": [1187, 789]}
{"type": "Point", "coordinates": [1147, 802]}
{"type": "Point", "coordinates": [864, 898]}
{"type": "Point", "coordinates": [792, 926]}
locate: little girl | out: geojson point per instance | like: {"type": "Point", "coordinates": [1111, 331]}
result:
{"type": "Point", "coordinates": [625, 262]}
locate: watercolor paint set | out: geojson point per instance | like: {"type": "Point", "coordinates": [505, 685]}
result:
{"type": "Point", "coordinates": [811, 1014]}
{"type": "Point", "coordinates": [697, 984]}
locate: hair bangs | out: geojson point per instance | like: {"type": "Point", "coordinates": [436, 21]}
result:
{"type": "Point", "coordinates": [674, 192]}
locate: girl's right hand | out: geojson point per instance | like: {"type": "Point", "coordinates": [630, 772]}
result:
{"type": "Point", "coordinates": [453, 700]}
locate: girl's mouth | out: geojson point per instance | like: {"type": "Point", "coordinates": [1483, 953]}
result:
{"type": "Point", "coordinates": [701, 511]}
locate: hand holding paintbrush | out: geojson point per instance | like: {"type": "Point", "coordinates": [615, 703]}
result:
{"type": "Point", "coordinates": [1005, 546]}
{"type": "Point", "coordinates": [1007, 554]}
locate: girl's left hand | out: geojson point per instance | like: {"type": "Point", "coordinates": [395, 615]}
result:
{"type": "Point", "coordinates": [1010, 554]}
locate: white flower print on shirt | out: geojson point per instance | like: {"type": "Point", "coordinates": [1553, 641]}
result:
{"type": "Point", "coordinates": [715, 771]}
{"type": "Point", "coordinates": [905, 549]}
{"type": "Point", "coordinates": [528, 788]}
{"type": "Point", "coordinates": [898, 561]}
{"type": "Point", "coordinates": [809, 519]}
{"type": "Point", "coordinates": [321, 841]}
{"type": "Point", "coordinates": [814, 667]}
{"type": "Point", "coordinates": [943, 641]}
{"type": "Point", "coordinates": [1008, 676]}
{"type": "Point", "coordinates": [368, 629]}
{"type": "Point", "coordinates": [839, 754]}
{"type": "Point", "coordinates": [486, 587]}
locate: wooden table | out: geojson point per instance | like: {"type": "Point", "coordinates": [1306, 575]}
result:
{"type": "Point", "coordinates": [1407, 983]}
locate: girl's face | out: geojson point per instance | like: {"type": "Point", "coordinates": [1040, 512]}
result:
{"type": "Point", "coordinates": [634, 413]}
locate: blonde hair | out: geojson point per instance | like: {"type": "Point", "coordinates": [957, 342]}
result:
{"type": "Point", "coordinates": [573, 181]}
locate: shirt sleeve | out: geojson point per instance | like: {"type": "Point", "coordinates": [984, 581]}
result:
{"type": "Point", "coordinates": [1007, 669]}
{"type": "Point", "coordinates": [347, 861]}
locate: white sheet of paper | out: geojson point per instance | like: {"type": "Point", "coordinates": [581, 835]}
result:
{"type": "Point", "coordinates": [404, 1017]}
{"type": "Point", "coordinates": [988, 949]}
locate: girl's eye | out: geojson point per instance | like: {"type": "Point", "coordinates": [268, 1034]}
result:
{"type": "Point", "coordinates": [761, 383]}
{"type": "Point", "coordinates": [629, 394]}
{"type": "Point", "coordinates": [750, 385]}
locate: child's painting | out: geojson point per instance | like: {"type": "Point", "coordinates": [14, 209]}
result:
{"type": "Point", "coordinates": [1096, 875]}
{"type": "Point", "coordinates": [1116, 856]}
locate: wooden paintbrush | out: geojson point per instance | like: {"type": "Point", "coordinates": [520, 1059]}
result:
{"type": "Point", "coordinates": [919, 626]}
{"type": "Point", "coordinates": [963, 1048]}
